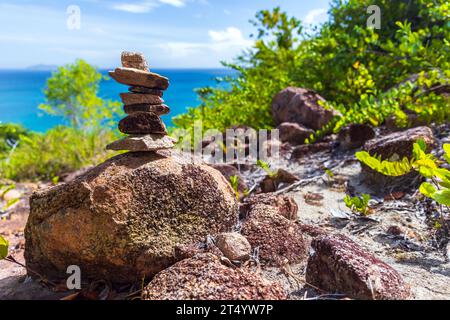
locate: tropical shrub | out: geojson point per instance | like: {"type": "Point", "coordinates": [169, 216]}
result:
{"type": "Point", "coordinates": [438, 185]}
{"type": "Point", "coordinates": [44, 156]}
{"type": "Point", "coordinates": [365, 73]}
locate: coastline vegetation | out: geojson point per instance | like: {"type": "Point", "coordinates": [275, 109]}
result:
{"type": "Point", "coordinates": [367, 74]}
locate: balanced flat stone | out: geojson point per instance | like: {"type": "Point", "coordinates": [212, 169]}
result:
{"type": "Point", "coordinates": [137, 143]}
{"type": "Point", "coordinates": [159, 110]}
{"type": "Point", "coordinates": [139, 78]}
{"type": "Point", "coordinates": [134, 60]}
{"type": "Point", "coordinates": [142, 123]}
{"type": "Point", "coordinates": [154, 92]}
{"type": "Point", "coordinates": [139, 98]}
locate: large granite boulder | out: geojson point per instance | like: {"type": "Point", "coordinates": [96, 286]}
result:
{"type": "Point", "coordinates": [121, 220]}
{"type": "Point", "coordinates": [204, 277]}
{"type": "Point", "coordinates": [301, 106]}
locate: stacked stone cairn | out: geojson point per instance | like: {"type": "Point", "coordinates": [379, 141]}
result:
{"type": "Point", "coordinates": [143, 105]}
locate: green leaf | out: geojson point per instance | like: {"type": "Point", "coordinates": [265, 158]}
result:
{"type": "Point", "coordinates": [4, 244]}
{"type": "Point", "coordinates": [427, 189]}
{"type": "Point", "coordinates": [442, 197]}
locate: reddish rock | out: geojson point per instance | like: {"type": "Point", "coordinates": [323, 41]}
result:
{"type": "Point", "coordinates": [228, 171]}
{"type": "Point", "coordinates": [140, 98]}
{"type": "Point", "coordinates": [294, 133]}
{"type": "Point", "coordinates": [154, 92]}
{"type": "Point", "coordinates": [395, 231]}
{"type": "Point", "coordinates": [339, 265]}
{"type": "Point", "coordinates": [204, 277]}
{"type": "Point", "coordinates": [156, 109]}
{"type": "Point", "coordinates": [142, 123]}
{"type": "Point", "coordinates": [399, 144]}
{"type": "Point", "coordinates": [301, 106]}
{"type": "Point", "coordinates": [355, 135]}
{"type": "Point", "coordinates": [277, 238]}
{"type": "Point", "coordinates": [306, 149]}
{"type": "Point", "coordinates": [139, 78]}
{"type": "Point", "coordinates": [286, 206]}
{"type": "Point", "coordinates": [234, 246]}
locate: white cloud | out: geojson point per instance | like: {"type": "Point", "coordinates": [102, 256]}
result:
{"type": "Point", "coordinates": [229, 41]}
{"type": "Point", "coordinates": [231, 35]}
{"type": "Point", "coordinates": [315, 16]}
{"type": "Point", "coordinates": [175, 3]}
{"type": "Point", "coordinates": [147, 6]}
{"type": "Point", "coordinates": [142, 7]}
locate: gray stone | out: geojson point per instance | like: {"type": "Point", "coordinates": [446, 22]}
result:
{"type": "Point", "coordinates": [149, 142]}
{"type": "Point", "coordinates": [134, 60]}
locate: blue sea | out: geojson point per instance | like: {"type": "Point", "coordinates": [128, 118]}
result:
{"type": "Point", "coordinates": [21, 91]}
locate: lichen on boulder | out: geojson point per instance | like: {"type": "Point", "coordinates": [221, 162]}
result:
{"type": "Point", "coordinates": [121, 220]}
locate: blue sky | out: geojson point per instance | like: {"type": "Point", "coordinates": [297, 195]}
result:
{"type": "Point", "coordinates": [172, 33]}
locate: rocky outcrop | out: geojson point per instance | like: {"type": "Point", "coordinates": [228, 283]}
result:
{"type": "Point", "coordinates": [301, 106]}
{"type": "Point", "coordinates": [339, 265]}
{"type": "Point", "coordinates": [234, 246]}
{"type": "Point", "coordinates": [355, 136]}
{"type": "Point", "coordinates": [122, 219]}
{"type": "Point", "coordinates": [294, 133]}
{"type": "Point", "coordinates": [204, 277]}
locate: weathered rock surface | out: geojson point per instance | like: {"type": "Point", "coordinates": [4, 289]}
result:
{"type": "Point", "coordinates": [294, 133]}
{"type": "Point", "coordinates": [301, 106]}
{"type": "Point", "coordinates": [139, 78]}
{"type": "Point", "coordinates": [122, 220]}
{"type": "Point", "coordinates": [234, 246]}
{"type": "Point", "coordinates": [204, 277]}
{"type": "Point", "coordinates": [142, 123]}
{"type": "Point", "coordinates": [399, 144]}
{"type": "Point", "coordinates": [134, 60]}
{"type": "Point", "coordinates": [228, 171]}
{"type": "Point", "coordinates": [156, 109]}
{"type": "Point", "coordinates": [154, 92]}
{"type": "Point", "coordinates": [149, 142]}
{"type": "Point", "coordinates": [277, 238]}
{"type": "Point", "coordinates": [140, 98]}
{"type": "Point", "coordinates": [339, 265]}
{"type": "Point", "coordinates": [286, 206]}
{"type": "Point", "coordinates": [355, 136]}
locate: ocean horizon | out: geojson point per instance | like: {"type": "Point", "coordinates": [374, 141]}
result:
{"type": "Point", "coordinates": [22, 90]}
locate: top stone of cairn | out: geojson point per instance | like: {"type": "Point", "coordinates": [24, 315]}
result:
{"type": "Point", "coordinates": [134, 60]}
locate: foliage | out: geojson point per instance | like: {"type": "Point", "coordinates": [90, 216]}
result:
{"type": "Point", "coordinates": [358, 204]}
{"type": "Point", "coordinates": [266, 167]}
{"type": "Point", "coordinates": [72, 92]}
{"type": "Point", "coordinates": [367, 74]}
{"type": "Point", "coordinates": [58, 151]}
{"type": "Point", "coordinates": [9, 136]}
{"type": "Point", "coordinates": [4, 189]}
{"type": "Point", "coordinates": [425, 164]}
{"type": "Point", "coordinates": [3, 248]}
